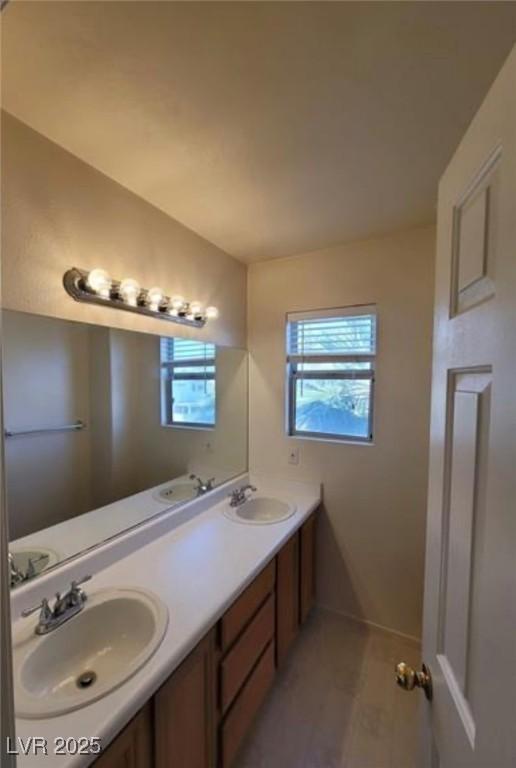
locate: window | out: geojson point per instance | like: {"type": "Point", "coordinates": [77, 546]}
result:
{"type": "Point", "coordinates": [330, 372]}
{"type": "Point", "coordinates": [188, 383]}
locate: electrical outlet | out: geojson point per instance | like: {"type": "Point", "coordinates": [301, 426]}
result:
{"type": "Point", "coordinates": [293, 457]}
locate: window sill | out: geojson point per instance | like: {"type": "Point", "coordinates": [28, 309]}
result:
{"type": "Point", "coordinates": [333, 440]}
{"type": "Point", "coordinates": [190, 427]}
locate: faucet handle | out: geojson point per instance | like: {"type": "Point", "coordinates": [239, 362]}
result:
{"type": "Point", "coordinates": [43, 606]}
{"type": "Point", "coordinates": [77, 582]}
{"type": "Point", "coordinates": [76, 595]}
{"type": "Point", "coordinates": [31, 570]}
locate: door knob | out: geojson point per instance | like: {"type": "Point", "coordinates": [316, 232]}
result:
{"type": "Point", "coordinates": [408, 678]}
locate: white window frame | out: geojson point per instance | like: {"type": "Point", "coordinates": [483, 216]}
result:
{"type": "Point", "coordinates": [170, 372]}
{"type": "Point", "coordinates": [293, 375]}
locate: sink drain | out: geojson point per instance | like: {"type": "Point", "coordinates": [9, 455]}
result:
{"type": "Point", "coordinates": [86, 679]}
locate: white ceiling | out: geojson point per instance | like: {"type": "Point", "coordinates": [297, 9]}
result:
{"type": "Point", "coordinates": [268, 128]}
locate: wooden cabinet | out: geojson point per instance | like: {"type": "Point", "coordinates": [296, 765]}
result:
{"type": "Point", "coordinates": [307, 567]}
{"type": "Point", "coordinates": [247, 665]}
{"type": "Point", "coordinates": [184, 712]}
{"type": "Point", "coordinates": [133, 747]}
{"type": "Point", "coordinates": [238, 663]}
{"type": "Point", "coordinates": [287, 597]}
{"type": "Point", "coordinates": [244, 608]}
{"type": "Point", "coordinates": [241, 715]}
{"type": "Point", "coordinates": [200, 716]}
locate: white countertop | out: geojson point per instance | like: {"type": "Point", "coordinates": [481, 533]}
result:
{"type": "Point", "coordinates": [197, 569]}
{"type": "Point", "coordinates": [77, 534]}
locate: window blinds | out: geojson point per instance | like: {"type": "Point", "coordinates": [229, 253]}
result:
{"type": "Point", "coordinates": [186, 351]}
{"type": "Point", "coordinates": [346, 335]}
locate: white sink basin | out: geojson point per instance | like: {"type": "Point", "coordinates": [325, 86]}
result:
{"type": "Point", "coordinates": [260, 510]}
{"type": "Point", "coordinates": [175, 492]}
{"type": "Point", "coordinates": [42, 558]}
{"type": "Point", "coordinates": [88, 656]}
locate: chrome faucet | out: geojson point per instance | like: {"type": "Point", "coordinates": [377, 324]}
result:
{"type": "Point", "coordinates": [65, 606]}
{"type": "Point", "coordinates": [203, 487]}
{"type": "Point", "coordinates": [238, 496]}
{"type": "Point", "coordinates": [16, 576]}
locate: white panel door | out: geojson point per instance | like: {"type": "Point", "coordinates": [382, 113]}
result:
{"type": "Point", "coordinates": [469, 641]}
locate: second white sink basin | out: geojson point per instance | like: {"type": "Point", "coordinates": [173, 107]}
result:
{"type": "Point", "coordinates": [176, 491]}
{"type": "Point", "coordinates": [88, 656]}
{"type": "Point", "coordinates": [42, 558]}
{"type": "Point", "coordinates": [260, 510]}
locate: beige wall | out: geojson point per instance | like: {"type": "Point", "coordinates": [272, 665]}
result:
{"type": "Point", "coordinates": [58, 212]}
{"type": "Point", "coordinates": [371, 535]}
{"type": "Point", "coordinates": [46, 379]}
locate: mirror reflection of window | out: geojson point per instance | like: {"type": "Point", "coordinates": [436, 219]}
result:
{"type": "Point", "coordinates": [188, 383]}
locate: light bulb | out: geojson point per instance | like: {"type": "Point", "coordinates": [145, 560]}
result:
{"type": "Point", "coordinates": [190, 316]}
{"type": "Point", "coordinates": [129, 291]}
{"type": "Point", "coordinates": [99, 281]}
{"type": "Point", "coordinates": [212, 313]}
{"type": "Point", "coordinates": [195, 308]}
{"type": "Point", "coordinates": [154, 297]}
{"type": "Point", "coordinates": [173, 311]}
{"type": "Point", "coordinates": [177, 302]}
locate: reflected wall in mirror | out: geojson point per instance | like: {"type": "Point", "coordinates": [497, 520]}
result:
{"type": "Point", "coordinates": [106, 428]}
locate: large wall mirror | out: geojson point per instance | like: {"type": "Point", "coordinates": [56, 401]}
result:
{"type": "Point", "coordinates": [105, 428]}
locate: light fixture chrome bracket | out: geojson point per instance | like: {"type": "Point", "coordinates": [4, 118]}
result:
{"type": "Point", "coordinates": [74, 281]}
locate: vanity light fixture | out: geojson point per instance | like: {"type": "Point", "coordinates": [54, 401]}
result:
{"type": "Point", "coordinates": [153, 298]}
{"type": "Point", "coordinates": [129, 291]}
{"type": "Point", "coordinates": [99, 281]}
{"type": "Point", "coordinates": [97, 287]}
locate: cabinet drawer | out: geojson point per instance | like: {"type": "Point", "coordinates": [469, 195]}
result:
{"type": "Point", "coordinates": [247, 704]}
{"type": "Point", "coordinates": [245, 652]}
{"type": "Point", "coordinates": [244, 608]}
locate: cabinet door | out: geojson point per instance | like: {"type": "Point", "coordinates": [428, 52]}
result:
{"type": "Point", "coordinates": [133, 747]}
{"type": "Point", "coordinates": [287, 586]}
{"type": "Point", "coordinates": [184, 712]}
{"type": "Point", "coordinates": [307, 568]}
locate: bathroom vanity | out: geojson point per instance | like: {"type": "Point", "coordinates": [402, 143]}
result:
{"type": "Point", "coordinates": [234, 588]}
{"type": "Point", "coordinates": [200, 716]}
{"type": "Point", "coordinates": [196, 581]}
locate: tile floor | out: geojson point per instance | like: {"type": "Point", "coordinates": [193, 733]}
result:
{"type": "Point", "coordinates": [335, 703]}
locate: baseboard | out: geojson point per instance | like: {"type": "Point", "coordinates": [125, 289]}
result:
{"type": "Point", "coordinates": [373, 624]}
